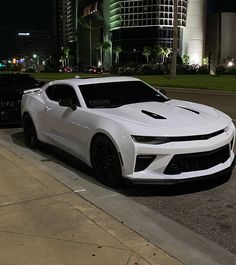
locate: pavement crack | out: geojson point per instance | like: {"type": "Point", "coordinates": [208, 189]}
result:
{"type": "Point", "coordinates": [37, 199]}
{"type": "Point", "coordinates": [62, 240]}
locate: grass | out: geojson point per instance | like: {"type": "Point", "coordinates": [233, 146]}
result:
{"type": "Point", "coordinates": [224, 83]}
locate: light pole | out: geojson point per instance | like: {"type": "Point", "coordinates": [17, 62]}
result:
{"type": "Point", "coordinates": [35, 60]}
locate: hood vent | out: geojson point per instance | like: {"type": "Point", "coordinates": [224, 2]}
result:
{"type": "Point", "coordinates": [153, 115]}
{"type": "Point", "coordinates": [194, 111]}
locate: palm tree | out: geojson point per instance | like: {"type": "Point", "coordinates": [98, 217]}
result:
{"type": "Point", "coordinates": [106, 45]}
{"type": "Point", "coordinates": [186, 59]}
{"type": "Point", "coordinates": [166, 52]}
{"type": "Point", "coordinates": [117, 52]}
{"type": "Point", "coordinates": [156, 51]}
{"type": "Point", "coordinates": [147, 52]}
{"type": "Point", "coordinates": [66, 52]}
{"type": "Point", "coordinates": [175, 42]}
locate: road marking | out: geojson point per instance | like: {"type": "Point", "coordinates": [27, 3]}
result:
{"type": "Point", "coordinates": [80, 190]}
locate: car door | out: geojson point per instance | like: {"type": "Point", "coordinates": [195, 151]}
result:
{"type": "Point", "coordinates": [63, 124]}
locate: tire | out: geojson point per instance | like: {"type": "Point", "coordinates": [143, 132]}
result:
{"type": "Point", "coordinates": [105, 162]}
{"type": "Point", "coordinates": [30, 135]}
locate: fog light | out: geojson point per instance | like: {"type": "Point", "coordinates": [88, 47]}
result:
{"type": "Point", "coordinates": [143, 161]}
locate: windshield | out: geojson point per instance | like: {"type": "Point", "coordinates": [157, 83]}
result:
{"type": "Point", "coordinates": [116, 94]}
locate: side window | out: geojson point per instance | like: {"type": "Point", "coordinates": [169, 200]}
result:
{"type": "Point", "coordinates": [58, 92]}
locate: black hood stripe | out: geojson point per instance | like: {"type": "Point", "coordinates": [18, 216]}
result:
{"type": "Point", "coordinates": [194, 111]}
{"type": "Point", "coordinates": [153, 115]}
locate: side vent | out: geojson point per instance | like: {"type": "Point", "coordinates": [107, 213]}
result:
{"type": "Point", "coordinates": [194, 111]}
{"type": "Point", "coordinates": [153, 115]}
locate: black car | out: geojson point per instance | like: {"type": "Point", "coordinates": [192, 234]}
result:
{"type": "Point", "coordinates": [11, 90]}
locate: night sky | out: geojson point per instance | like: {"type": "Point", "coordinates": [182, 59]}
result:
{"type": "Point", "coordinates": [20, 15]}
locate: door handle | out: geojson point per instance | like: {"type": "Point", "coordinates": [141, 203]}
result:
{"type": "Point", "coordinates": [47, 108]}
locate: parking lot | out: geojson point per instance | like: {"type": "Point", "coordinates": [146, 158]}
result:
{"type": "Point", "coordinates": [208, 209]}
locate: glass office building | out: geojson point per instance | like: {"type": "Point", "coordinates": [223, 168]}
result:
{"type": "Point", "coordinates": [135, 24]}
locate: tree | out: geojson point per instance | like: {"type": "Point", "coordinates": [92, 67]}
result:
{"type": "Point", "coordinates": [186, 59]}
{"type": "Point", "coordinates": [147, 52]}
{"type": "Point", "coordinates": [175, 42]}
{"type": "Point", "coordinates": [156, 51]}
{"type": "Point", "coordinates": [106, 45]}
{"type": "Point", "coordinates": [166, 52]}
{"type": "Point", "coordinates": [117, 52]}
{"type": "Point", "coordinates": [66, 52]}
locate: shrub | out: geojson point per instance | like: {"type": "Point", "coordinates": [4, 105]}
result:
{"type": "Point", "coordinates": [220, 70]}
{"type": "Point", "coordinates": [231, 70]}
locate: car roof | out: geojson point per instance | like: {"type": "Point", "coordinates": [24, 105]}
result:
{"type": "Point", "coordinates": [87, 81]}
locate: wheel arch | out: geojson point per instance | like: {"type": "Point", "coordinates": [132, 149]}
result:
{"type": "Point", "coordinates": [102, 133]}
{"type": "Point", "coordinates": [27, 113]}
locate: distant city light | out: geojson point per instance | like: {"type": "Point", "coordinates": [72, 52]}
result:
{"type": "Point", "coordinates": [23, 34]}
{"type": "Point", "coordinates": [34, 56]}
{"type": "Point", "coordinates": [230, 64]}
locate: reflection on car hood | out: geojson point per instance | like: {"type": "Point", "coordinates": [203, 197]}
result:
{"type": "Point", "coordinates": [174, 117]}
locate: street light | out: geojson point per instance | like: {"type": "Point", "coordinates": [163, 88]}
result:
{"type": "Point", "coordinates": [35, 60]}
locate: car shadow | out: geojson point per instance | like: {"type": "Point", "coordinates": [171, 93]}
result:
{"type": "Point", "coordinates": [52, 154]}
{"type": "Point", "coordinates": [10, 126]}
{"type": "Point", "coordinates": [174, 189]}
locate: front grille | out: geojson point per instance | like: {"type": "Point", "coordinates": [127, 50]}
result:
{"type": "Point", "coordinates": [197, 161]}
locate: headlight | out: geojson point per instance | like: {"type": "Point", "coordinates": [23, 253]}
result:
{"type": "Point", "coordinates": [150, 139]}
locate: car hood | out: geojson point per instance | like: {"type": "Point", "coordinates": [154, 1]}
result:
{"type": "Point", "coordinates": [171, 118]}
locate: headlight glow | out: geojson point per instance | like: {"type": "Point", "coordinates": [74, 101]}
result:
{"type": "Point", "coordinates": [150, 139]}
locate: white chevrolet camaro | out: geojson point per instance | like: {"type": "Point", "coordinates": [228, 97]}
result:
{"type": "Point", "coordinates": [123, 127]}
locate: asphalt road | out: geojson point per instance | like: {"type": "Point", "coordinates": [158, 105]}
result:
{"type": "Point", "coordinates": [206, 209]}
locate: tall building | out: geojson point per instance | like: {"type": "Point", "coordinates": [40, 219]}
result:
{"type": "Point", "coordinates": [38, 43]}
{"type": "Point", "coordinates": [66, 16]}
{"type": "Point", "coordinates": [133, 25]}
{"type": "Point", "coordinates": [220, 37]}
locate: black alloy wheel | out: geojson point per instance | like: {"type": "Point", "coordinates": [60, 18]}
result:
{"type": "Point", "coordinates": [105, 162]}
{"type": "Point", "coordinates": [30, 135]}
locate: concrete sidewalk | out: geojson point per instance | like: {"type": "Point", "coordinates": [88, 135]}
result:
{"type": "Point", "coordinates": [44, 222]}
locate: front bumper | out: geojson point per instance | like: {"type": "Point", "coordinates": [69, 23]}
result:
{"type": "Point", "coordinates": [195, 159]}
{"type": "Point", "coordinates": [218, 175]}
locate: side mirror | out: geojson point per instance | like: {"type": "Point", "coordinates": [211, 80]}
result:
{"type": "Point", "coordinates": [67, 102]}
